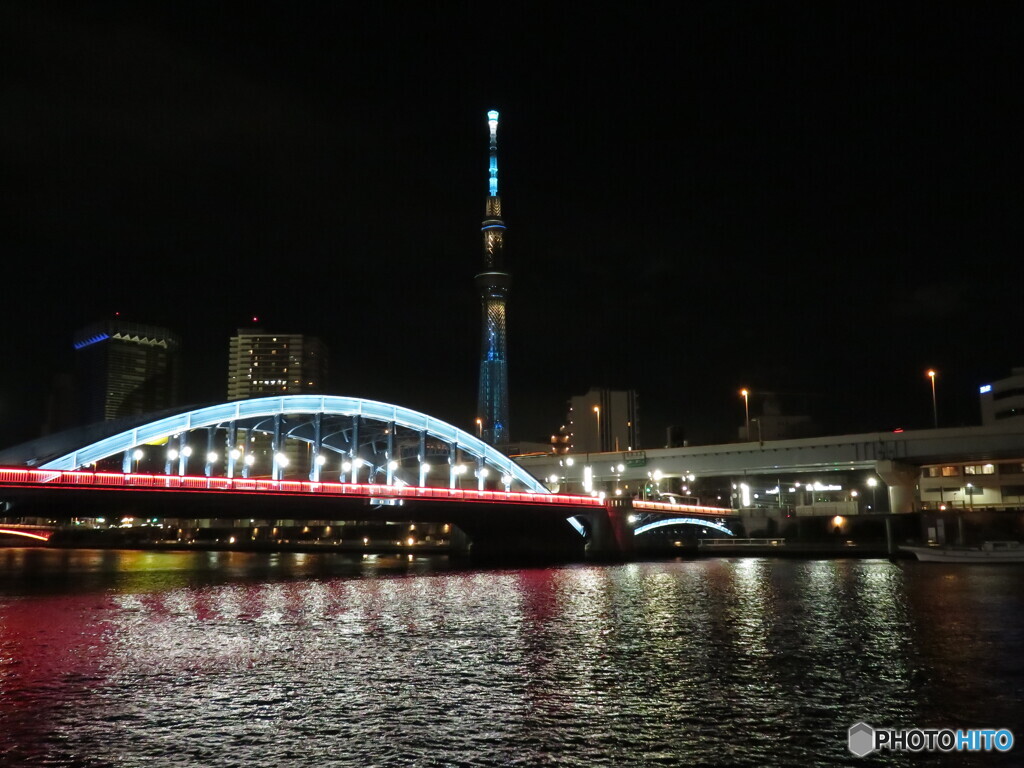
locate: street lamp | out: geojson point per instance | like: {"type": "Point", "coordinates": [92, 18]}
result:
{"type": "Point", "coordinates": [935, 408]}
{"type": "Point", "coordinates": [480, 428]}
{"type": "Point", "coordinates": [873, 485]}
{"type": "Point", "coordinates": [746, 410]}
{"type": "Point", "coordinates": [600, 442]}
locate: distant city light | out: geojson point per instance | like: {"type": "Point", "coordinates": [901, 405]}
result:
{"type": "Point", "coordinates": [986, 388]}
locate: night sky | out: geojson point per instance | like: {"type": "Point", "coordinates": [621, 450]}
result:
{"type": "Point", "coordinates": [818, 199]}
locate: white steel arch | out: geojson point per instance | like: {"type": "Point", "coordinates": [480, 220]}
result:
{"type": "Point", "coordinates": [681, 521]}
{"type": "Point", "coordinates": [294, 404]}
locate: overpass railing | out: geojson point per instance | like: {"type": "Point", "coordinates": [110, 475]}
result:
{"type": "Point", "coordinates": [18, 477]}
{"type": "Point", "coordinates": [661, 506]}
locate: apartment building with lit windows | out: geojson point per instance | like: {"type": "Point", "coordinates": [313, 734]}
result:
{"type": "Point", "coordinates": [262, 364]}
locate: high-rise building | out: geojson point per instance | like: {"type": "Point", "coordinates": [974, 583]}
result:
{"type": "Point", "coordinates": [493, 284]}
{"type": "Point", "coordinates": [262, 364]}
{"type": "Point", "coordinates": [125, 369]}
{"type": "Point", "coordinates": [1003, 399]}
{"type": "Point", "coordinates": [603, 420]}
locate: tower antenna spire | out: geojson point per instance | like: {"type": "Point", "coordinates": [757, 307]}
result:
{"type": "Point", "coordinates": [493, 284]}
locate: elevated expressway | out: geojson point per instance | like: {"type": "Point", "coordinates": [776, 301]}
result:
{"type": "Point", "coordinates": [897, 458]}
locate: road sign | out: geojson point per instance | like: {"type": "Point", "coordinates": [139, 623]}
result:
{"type": "Point", "coordinates": [635, 458]}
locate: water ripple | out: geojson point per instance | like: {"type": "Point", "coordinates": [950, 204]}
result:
{"type": "Point", "coordinates": [741, 662]}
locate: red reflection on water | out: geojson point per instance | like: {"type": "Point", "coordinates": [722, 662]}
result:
{"type": "Point", "coordinates": [53, 653]}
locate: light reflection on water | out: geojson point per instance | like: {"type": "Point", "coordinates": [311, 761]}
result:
{"type": "Point", "coordinates": [218, 659]}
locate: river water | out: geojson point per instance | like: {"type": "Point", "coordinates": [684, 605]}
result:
{"type": "Point", "coordinates": [112, 658]}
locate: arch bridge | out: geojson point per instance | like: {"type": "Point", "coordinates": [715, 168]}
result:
{"type": "Point", "coordinates": [299, 456]}
{"type": "Point", "coordinates": [291, 452]}
{"type": "Point", "coordinates": [348, 439]}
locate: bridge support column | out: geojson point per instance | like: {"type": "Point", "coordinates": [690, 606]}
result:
{"type": "Point", "coordinates": [389, 455]}
{"type": "Point", "coordinates": [423, 458]}
{"type": "Point", "coordinates": [231, 453]}
{"type": "Point", "coordinates": [183, 453]}
{"type": "Point", "coordinates": [353, 452]}
{"type": "Point", "coordinates": [275, 447]}
{"type": "Point", "coordinates": [453, 456]}
{"type": "Point", "coordinates": [611, 536]}
{"type": "Point", "coordinates": [211, 437]}
{"type": "Point", "coordinates": [248, 457]}
{"type": "Point", "coordinates": [901, 480]}
{"type": "Point", "coordinates": [481, 473]}
{"type": "Point", "coordinates": [315, 462]}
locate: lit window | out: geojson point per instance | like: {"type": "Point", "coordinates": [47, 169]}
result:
{"type": "Point", "coordinates": [980, 469]}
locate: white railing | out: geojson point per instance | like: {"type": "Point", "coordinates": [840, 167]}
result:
{"type": "Point", "coordinates": [742, 542]}
{"type": "Point", "coordinates": [16, 476]}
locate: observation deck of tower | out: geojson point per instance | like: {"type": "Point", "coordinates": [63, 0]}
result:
{"type": "Point", "coordinates": [493, 283]}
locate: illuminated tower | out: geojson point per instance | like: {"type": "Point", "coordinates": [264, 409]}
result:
{"type": "Point", "coordinates": [493, 283]}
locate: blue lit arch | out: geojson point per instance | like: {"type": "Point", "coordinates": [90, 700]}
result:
{"type": "Point", "coordinates": [681, 521]}
{"type": "Point", "coordinates": [239, 410]}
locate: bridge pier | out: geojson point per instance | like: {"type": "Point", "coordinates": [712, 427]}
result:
{"type": "Point", "coordinates": [901, 480]}
{"type": "Point", "coordinates": [611, 536]}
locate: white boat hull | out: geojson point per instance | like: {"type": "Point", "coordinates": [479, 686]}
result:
{"type": "Point", "coordinates": [984, 554]}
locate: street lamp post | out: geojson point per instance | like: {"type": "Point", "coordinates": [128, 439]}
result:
{"type": "Point", "coordinates": [600, 443]}
{"type": "Point", "coordinates": [935, 408]}
{"type": "Point", "coordinates": [873, 484]}
{"type": "Point", "coordinates": [480, 428]}
{"type": "Point", "coordinates": [746, 410]}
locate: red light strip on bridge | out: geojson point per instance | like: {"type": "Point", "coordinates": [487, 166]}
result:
{"type": "Point", "coordinates": [16, 476]}
{"type": "Point", "coordinates": [661, 506]}
{"type": "Point", "coordinates": [26, 534]}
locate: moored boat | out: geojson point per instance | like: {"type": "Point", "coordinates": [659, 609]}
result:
{"type": "Point", "coordinates": [989, 552]}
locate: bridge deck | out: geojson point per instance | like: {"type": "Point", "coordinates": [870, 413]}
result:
{"type": "Point", "coordinates": [18, 478]}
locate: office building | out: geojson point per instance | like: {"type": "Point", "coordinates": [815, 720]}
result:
{"type": "Point", "coordinates": [125, 369]}
{"type": "Point", "coordinates": [603, 420]}
{"type": "Point", "coordinates": [1003, 399]}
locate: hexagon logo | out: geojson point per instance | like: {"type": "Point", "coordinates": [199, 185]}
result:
{"type": "Point", "coordinates": [860, 739]}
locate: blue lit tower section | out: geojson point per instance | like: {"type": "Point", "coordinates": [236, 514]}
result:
{"type": "Point", "coordinates": [493, 284]}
